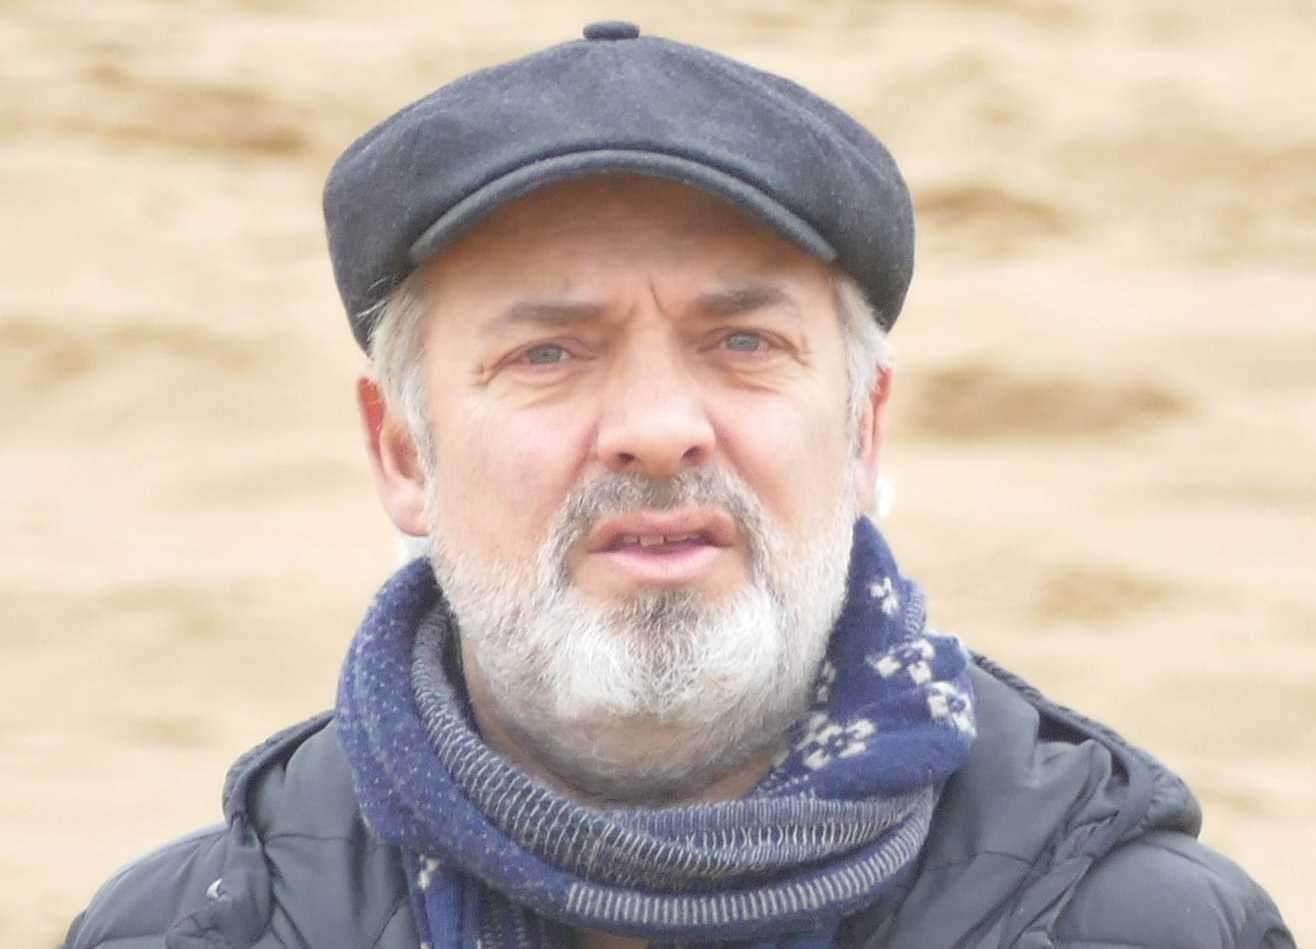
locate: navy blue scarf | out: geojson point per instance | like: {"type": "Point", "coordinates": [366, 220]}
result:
{"type": "Point", "coordinates": [495, 858]}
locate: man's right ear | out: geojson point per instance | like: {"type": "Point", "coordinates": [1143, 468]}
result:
{"type": "Point", "coordinates": [399, 475]}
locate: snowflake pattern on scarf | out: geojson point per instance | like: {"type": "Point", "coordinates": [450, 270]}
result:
{"type": "Point", "coordinates": [825, 739]}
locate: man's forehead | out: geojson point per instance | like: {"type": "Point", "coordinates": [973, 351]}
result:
{"type": "Point", "coordinates": [611, 228]}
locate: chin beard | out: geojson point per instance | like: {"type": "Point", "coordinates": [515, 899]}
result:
{"type": "Point", "coordinates": [656, 698]}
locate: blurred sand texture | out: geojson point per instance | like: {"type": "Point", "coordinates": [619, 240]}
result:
{"type": "Point", "coordinates": [1103, 450]}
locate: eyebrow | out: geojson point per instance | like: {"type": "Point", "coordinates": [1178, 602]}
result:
{"type": "Point", "coordinates": [746, 299]}
{"type": "Point", "coordinates": [541, 313]}
{"type": "Point", "coordinates": [733, 301]}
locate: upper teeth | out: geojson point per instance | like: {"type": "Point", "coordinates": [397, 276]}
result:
{"type": "Point", "coordinates": [650, 540]}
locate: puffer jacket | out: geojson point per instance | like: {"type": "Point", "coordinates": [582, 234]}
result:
{"type": "Point", "coordinates": [1056, 833]}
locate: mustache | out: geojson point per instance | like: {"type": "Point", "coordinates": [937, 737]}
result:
{"type": "Point", "coordinates": [616, 493]}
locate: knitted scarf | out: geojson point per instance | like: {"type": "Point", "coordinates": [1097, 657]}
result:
{"type": "Point", "coordinates": [497, 859]}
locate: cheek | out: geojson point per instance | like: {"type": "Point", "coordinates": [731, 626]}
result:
{"type": "Point", "coordinates": [794, 456]}
{"type": "Point", "coordinates": [503, 478]}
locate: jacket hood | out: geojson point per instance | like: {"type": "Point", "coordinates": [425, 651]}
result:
{"type": "Point", "coordinates": [331, 881]}
{"type": "Point", "coordinates": [1046, 792]}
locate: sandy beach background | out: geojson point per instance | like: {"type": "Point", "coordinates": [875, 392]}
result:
{"type": "Point", "coordinates": [1103, 453]}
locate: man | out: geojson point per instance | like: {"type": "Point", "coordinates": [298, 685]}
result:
{"type": "Point", "coordinates": [659, 681]}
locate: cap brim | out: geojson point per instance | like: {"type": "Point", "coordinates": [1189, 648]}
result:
{"type": "Point", "coordinates": [528, 178]}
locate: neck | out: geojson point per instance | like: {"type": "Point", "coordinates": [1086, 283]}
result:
{"type": "Point", "coordinates": [500, 738]}
{"type": "Point", "coordinates": [643, 740]}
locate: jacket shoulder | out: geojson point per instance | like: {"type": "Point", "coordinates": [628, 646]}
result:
{"type": "Point", "coordinates": [293, 865]}
{"type": "Point", "coordinates": [147, 898]}
{"type": "Point", "coordinates": [1166, 890]}
{"type": "Point", "coordinates": [1058, 834]}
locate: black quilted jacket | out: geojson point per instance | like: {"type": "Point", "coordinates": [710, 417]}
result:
{"type": "Point", "coordinates": [1055, 834]}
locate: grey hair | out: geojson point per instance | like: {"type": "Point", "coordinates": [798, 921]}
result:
{"type": "Point", "coordinates": [397, 356]}
{"type": "Point", "coordinates": [397, 351]}
{"type": "Point", "coordinates": [868, 353]}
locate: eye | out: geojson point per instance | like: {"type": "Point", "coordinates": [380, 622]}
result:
{"type": "Point", "coordinates": [545, 354]}
{"type": "Point", "coordinates": [745, 342]}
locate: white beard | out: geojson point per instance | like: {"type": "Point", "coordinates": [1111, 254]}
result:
{"type": "Point", "coordinates": [665, 693]}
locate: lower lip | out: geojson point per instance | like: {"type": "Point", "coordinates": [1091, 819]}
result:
{"type": "Point", "coordinates": [663, 567]}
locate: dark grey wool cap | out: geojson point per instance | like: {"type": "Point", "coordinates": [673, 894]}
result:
{"type": "Point", "coordinates": [616, 102]}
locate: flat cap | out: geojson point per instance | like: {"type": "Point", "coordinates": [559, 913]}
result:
{"type": "Point", "coordinates": [616, 102]}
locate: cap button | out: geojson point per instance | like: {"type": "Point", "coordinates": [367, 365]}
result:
{"type": "Point", "coordinates": [611, 30]}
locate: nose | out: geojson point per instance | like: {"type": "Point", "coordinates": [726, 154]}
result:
{"type": "Point", "coordinates": [653, 418]}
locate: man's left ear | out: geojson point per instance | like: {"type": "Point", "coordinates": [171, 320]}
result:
{"type": "Point", "coordinates": [871, 428]}
{"type": "Point", "coordinates": [394, 461]}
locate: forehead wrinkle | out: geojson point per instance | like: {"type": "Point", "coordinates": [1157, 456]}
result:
{"type": "Point", "coordinates": [656, 297]}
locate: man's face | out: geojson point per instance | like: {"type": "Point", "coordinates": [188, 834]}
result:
{"type": "Point", "coordinates": [642, 489]}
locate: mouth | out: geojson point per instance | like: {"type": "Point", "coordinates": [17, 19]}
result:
{"type": "Point", "coordinates": [662, 548]}
{"type": "Point", "coordinates": [659, 543]}
{"type": "Point", "coordinates": [663, 531]}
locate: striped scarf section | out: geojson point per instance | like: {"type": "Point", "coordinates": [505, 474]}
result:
{"type": "Point", "coordinates": [496, 859]}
